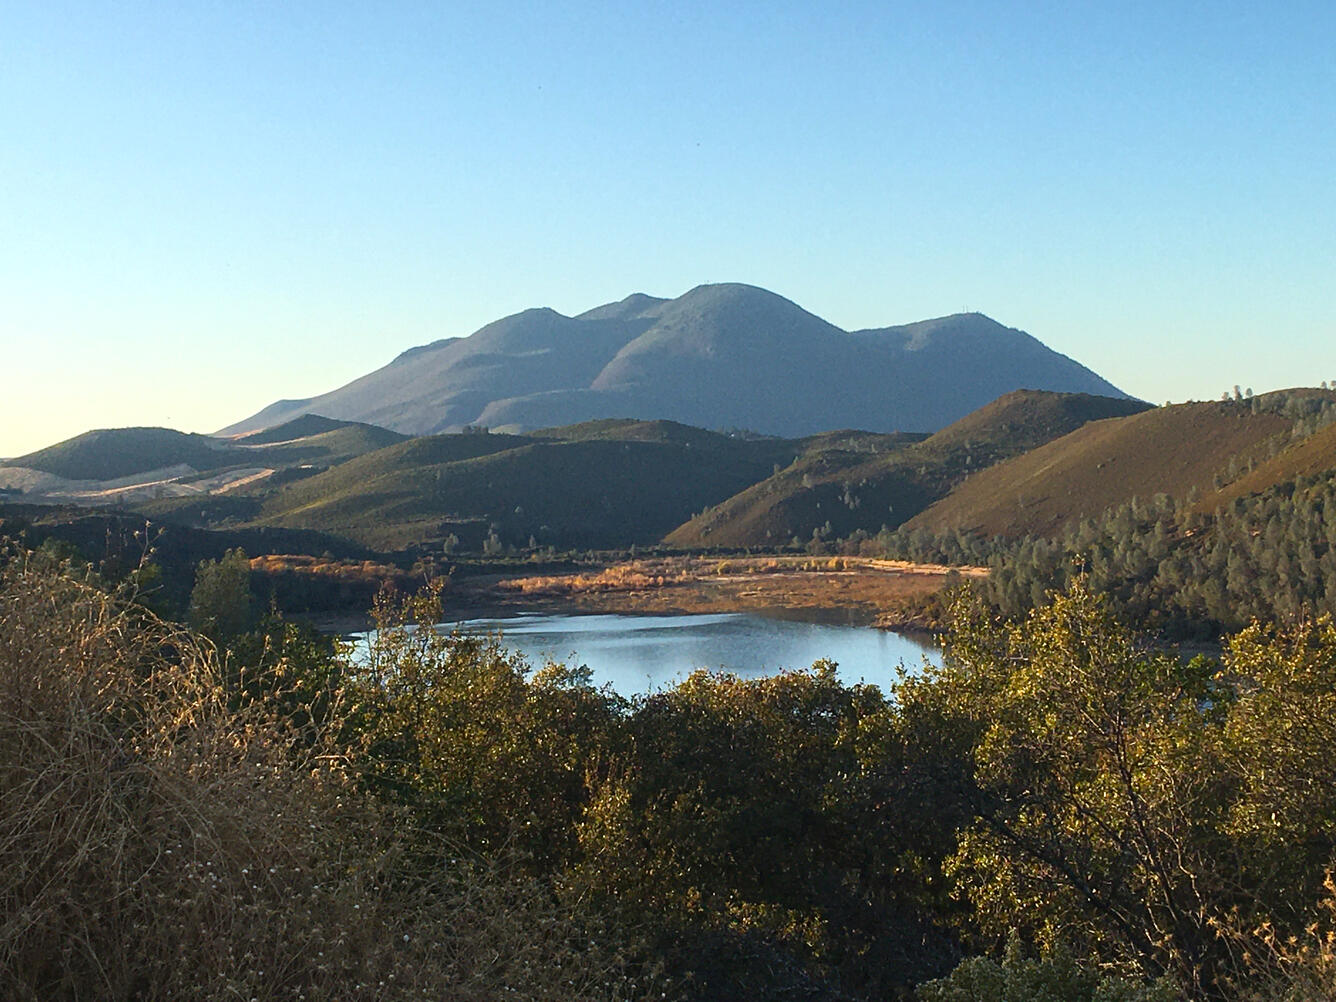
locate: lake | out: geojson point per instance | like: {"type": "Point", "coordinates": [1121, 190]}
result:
{"type": "Point", "coordinates": [637, 654]}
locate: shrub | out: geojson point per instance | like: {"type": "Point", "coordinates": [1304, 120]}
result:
{"type": "Point", "coordinates": [1056, 978]}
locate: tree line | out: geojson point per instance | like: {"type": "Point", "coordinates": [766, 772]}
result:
{"type": "Point", "coordinates": [1167, 565]}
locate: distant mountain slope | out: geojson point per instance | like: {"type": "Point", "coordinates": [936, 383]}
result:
{"type": "Point", "coordinates": [719, 356]}
{"type": "Point", "coordinates": [850, 484]}
{"type": "Point", "coordinates": [1171, 450]}
{"type": "Point", "coordinates": [117, 453]}
{"type": "Point", "coordinates": [168, 474]}
{"type": "Point", "coordinates": [303, 427]}
{"type": "Point", "coordinates": [113, 453]}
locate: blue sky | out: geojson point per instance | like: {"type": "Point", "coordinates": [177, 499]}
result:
{"type": "Point", "coordinates": [208, 206]}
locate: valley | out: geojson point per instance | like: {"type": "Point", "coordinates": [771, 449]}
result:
{"type": "Point", "coordinates": [641, 515]}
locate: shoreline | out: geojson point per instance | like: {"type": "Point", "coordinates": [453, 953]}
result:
{"type": "Point", "coordinates": [852, 591]}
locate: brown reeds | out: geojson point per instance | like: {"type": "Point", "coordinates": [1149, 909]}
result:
{"type": "Point", "coordinates": [157, 841]}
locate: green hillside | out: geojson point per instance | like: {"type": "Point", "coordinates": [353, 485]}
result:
{"type": "Point", "coordinates": [113, 453]}
{"type": "Point", "coordinates": [322, 448]}
{"type": "Point", "coordinates": [118, 453]}
{"type": "Point", "coordinates": [571, 487]}
{"type": "Point", "coordinates": [851, 481]}
{"type": "Point", "coordinates": [1175, 450]}
{"type": "Point", "coordinates": [300, 427]}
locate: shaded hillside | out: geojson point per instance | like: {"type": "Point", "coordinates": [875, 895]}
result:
{"type": "Point", "coordinates": [333, 445]}
{"type": "Point", "coordinates": [843, 483]}
{"type": "Point", "coordinates": [719, 356]}
{"type": "Point", "coordinates": [308, 425]}
{"type": "Point", "coordinates": [1171, 450]}
{"type": "Point", "coordinates": [113, 453]}
{"type": "Point", "coordinates": [571, 487]}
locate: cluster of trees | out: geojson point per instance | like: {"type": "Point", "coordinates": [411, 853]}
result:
{"type": "Point", "coordinates": [1056, 811]}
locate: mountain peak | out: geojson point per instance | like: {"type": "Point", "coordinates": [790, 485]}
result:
{"type": "Point", "coordinates": [720, 355]}
{"type": "Point", "coordinates": [632, 306]}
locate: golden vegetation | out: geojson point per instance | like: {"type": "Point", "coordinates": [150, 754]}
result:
{"type": "Point", "coordinates": [164, 838]}
{"type": "Point", "coordinates": [869, 587]}
{"type": "Point", "coordinates": [326, 567]}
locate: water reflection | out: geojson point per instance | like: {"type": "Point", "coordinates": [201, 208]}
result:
{"type": "Point", "coordinates": [638, 654]}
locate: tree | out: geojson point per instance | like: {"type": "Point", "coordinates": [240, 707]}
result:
{"type": "Point", "coordinates": [1097, 793]}
{"type": "Point", "coordinates": [220, 603]}
{"type": "Point", "coordinates": [766, 824]}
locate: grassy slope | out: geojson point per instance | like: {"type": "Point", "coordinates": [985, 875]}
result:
{"type": "Point", "coordinates": [595, 485]}
{"type": "Point", "coordinates": [302, 427]}
{"type": "Point", "coordinates": [112, 453]}
{"type": "Point", "coordinates": [1172, 450]}
{"type": "Point", "coordinates": [850, 489]}
{"type": "Point", "coordinates": [1307, 457]}
{"type": "Point", "coordinates": [294, 460]}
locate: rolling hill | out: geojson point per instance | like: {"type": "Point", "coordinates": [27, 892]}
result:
{"type": "Point", "coordinates": [1175, 450]}
{"type": "Point", "coordinates": [1308, 456]}
{"type": "Point", "coordinates": [602, 484]}
{"type": "Point", "coordinates": [161, 469]}
{"type": "Point", "coordinates": [114, 453]}
{"type": "Point", "coordinates": [849, 484]}
{"type": "Point", "coordinates": [719, 356]}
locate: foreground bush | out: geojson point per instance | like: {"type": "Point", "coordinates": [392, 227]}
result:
{"type": "Point", "coordinates": [1056, 978]}
{"type": "Point", "coordinates": [1131, 805]}
{"type": "Point", "coordinates": [159, 842]}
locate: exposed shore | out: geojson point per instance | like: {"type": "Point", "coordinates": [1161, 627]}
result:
{"type": "Point", "coordinates": [854, 590]}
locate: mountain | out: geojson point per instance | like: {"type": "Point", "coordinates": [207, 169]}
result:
{"type": "Point", "coordinates": [309, 425]}
{"type": "Point", "coordinates": [1311, 456]}
{"type": "Point", "coordinates": [850, 482]}
{"type": "Point", "coordinates": [719, 356]}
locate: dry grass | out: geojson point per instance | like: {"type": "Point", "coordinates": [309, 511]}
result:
{"type": "Point", "coordinates": [1171, 450]}
{"type": "Point", "coordinates": [158, 843]}
{"type": "Point", "coordinates": [708, 584]}
{"type": "Point", "coordinates": [368, 571]}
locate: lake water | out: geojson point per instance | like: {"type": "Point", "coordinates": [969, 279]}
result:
{"type": "Point", "coordinates": [637, 654]}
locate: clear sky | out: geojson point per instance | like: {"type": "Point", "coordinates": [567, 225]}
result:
{"type": "Point", "coordinates": [207, 206]}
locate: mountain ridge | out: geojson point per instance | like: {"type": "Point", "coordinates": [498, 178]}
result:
{"type": "Point", "coordinates": [718, 356]}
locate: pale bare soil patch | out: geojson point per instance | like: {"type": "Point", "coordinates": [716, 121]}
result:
{"type": "Point", "coordinates": [168, 482]}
